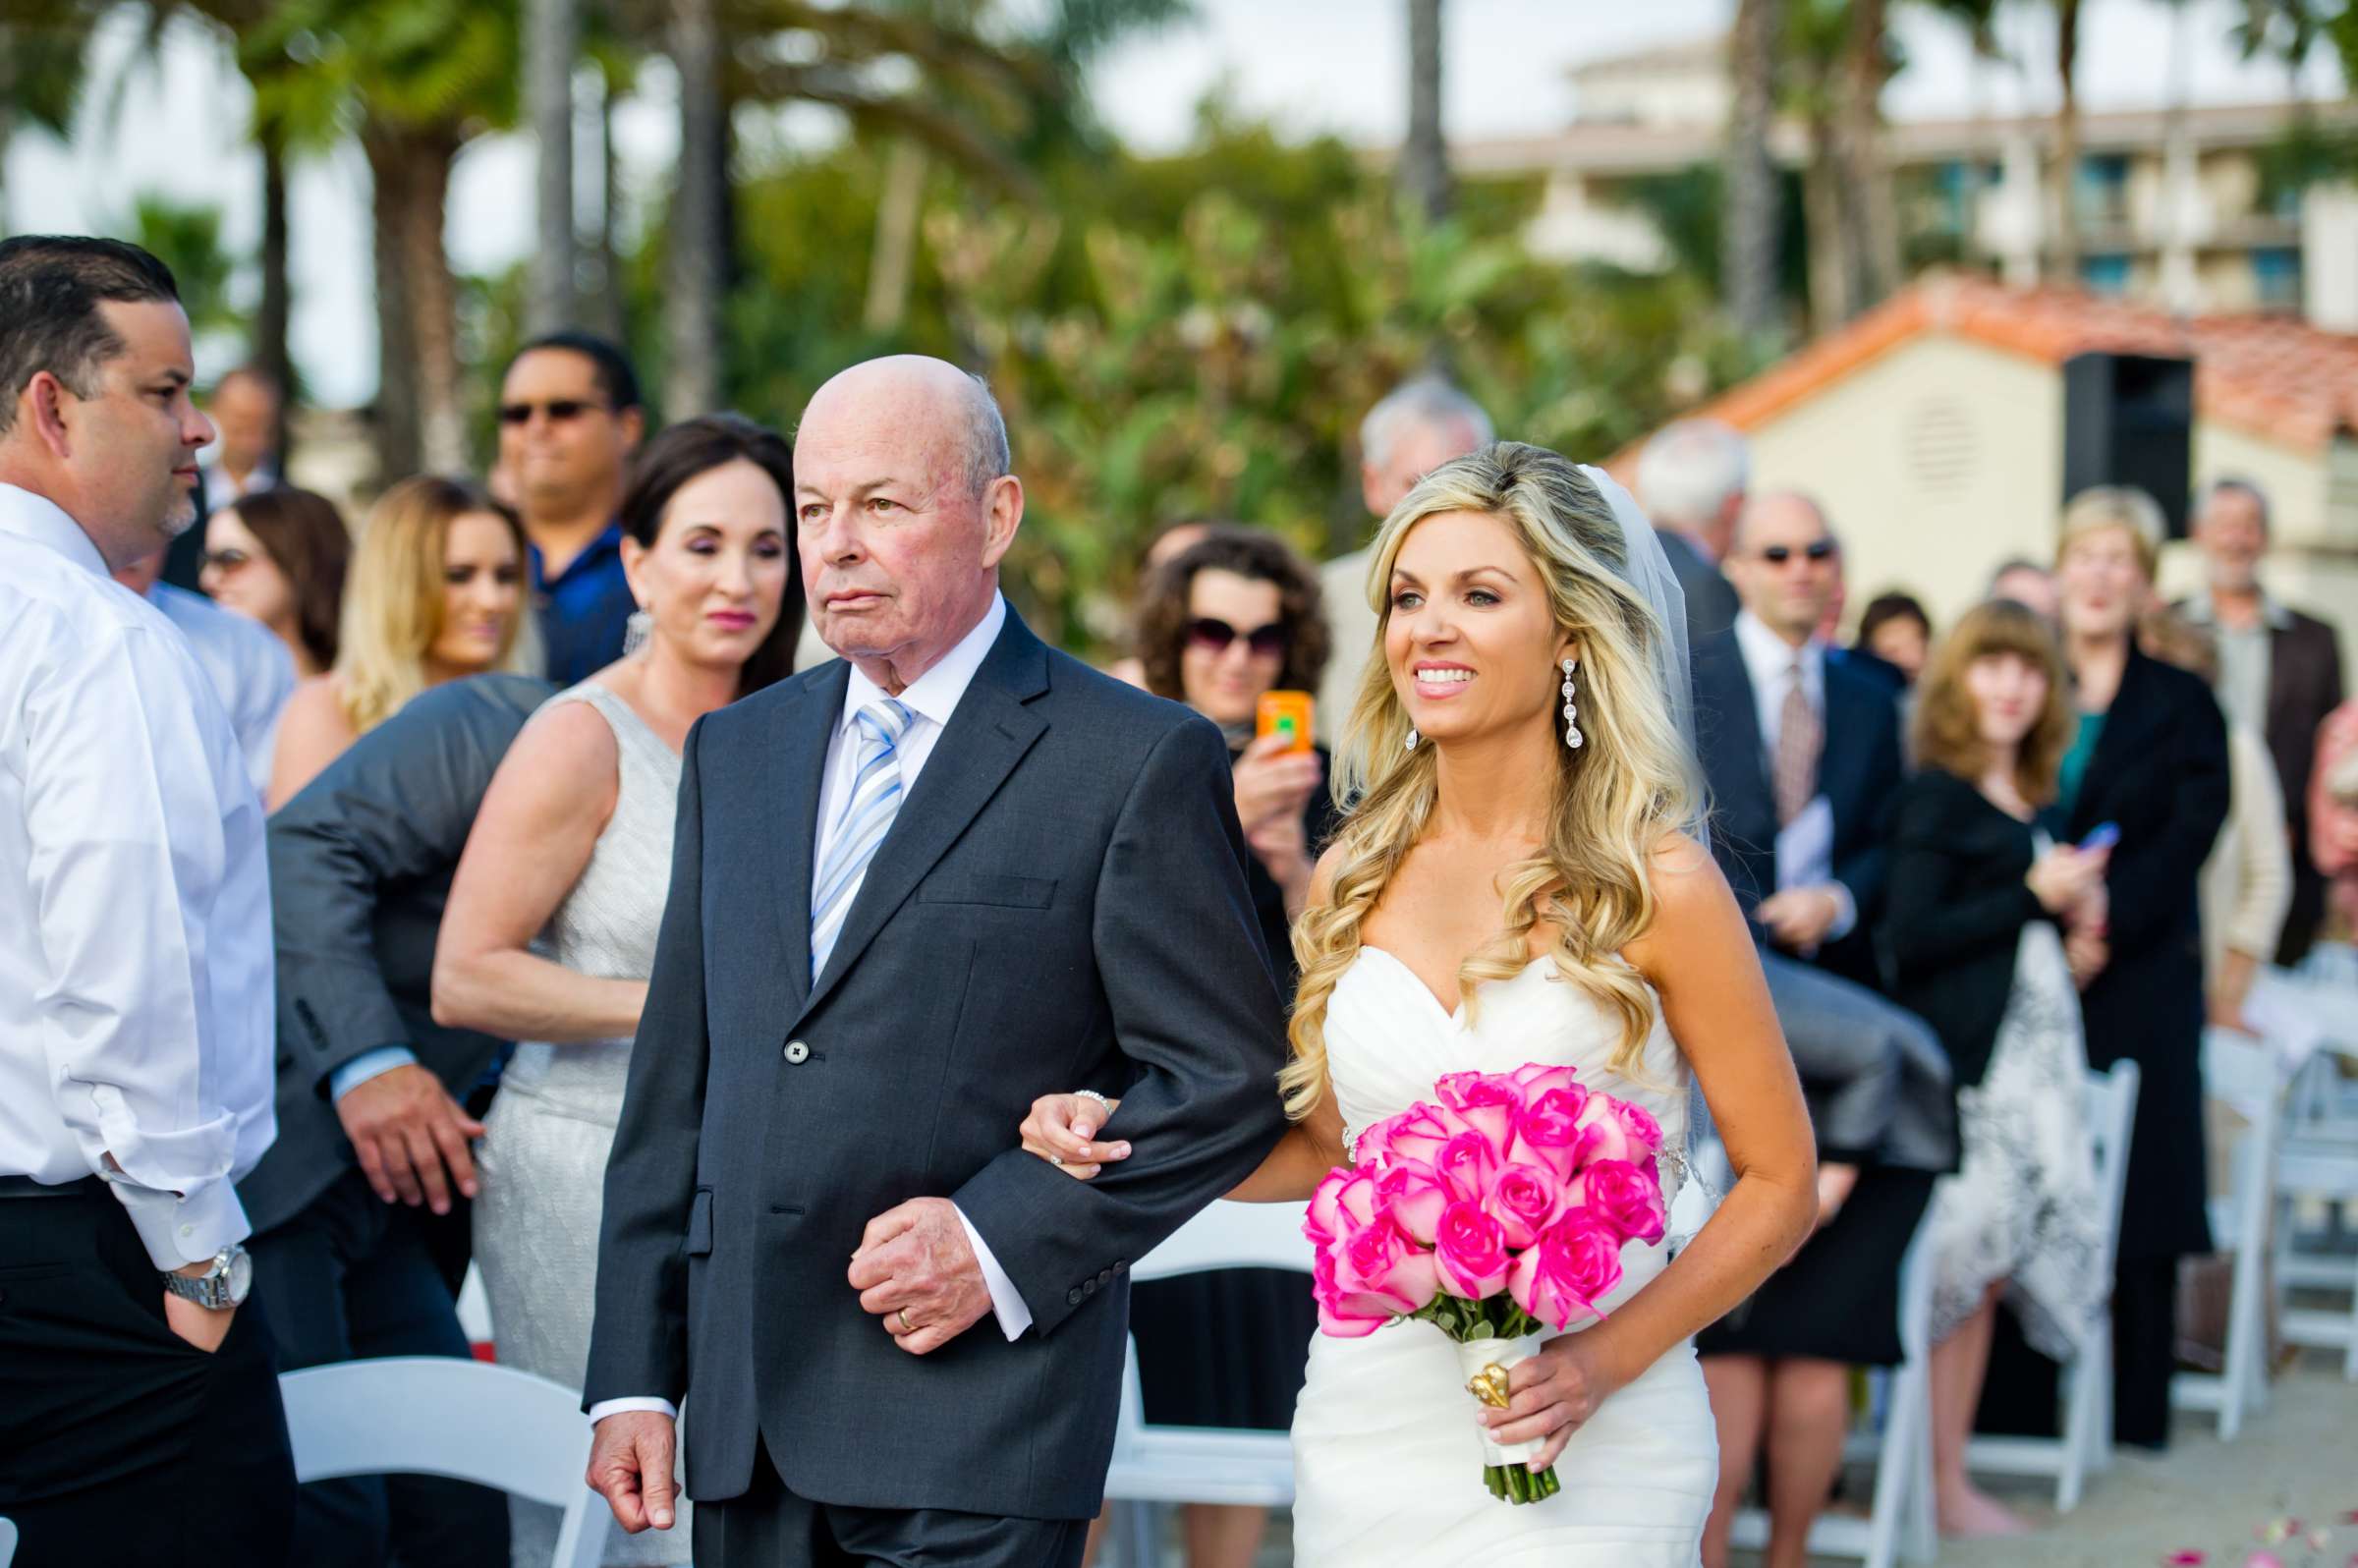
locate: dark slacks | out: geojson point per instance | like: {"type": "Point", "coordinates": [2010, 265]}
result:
{"type": "Point", "coordinates": [2145, 1329]}
{"type": "Point", "coordinates": [352, 1276]}
{"type": "Point", "coordinates": [769, 1527]}
{"type": "Point", "coordinates": [121, 1444]}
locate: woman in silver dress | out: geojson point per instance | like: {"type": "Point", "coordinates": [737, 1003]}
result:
{"type": "Point", "coordinates": [550, 932]}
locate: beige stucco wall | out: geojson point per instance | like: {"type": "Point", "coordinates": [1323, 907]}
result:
{"type": "Point", "coordinates": [1936, 462]}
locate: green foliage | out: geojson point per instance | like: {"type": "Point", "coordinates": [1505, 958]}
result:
{"type": "Point", "coordinates": [187, 239]}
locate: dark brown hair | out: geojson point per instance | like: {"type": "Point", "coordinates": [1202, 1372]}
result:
{"type": "Point", "coordinates": [1948, 728]}
{"type": "Point", "coordinates": [308, 540]}
{"type": "Point", "coordinates": [51, 287]}
{"type": "Point", "coordinates": [681, 452]}
{"type": "Point", "coordinates": [1262, 557]}
{"type": "Point", "coordinates": [1885, 609]}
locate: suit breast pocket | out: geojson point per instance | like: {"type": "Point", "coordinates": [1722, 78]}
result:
{"type": "Point", "coordinates": [996, 893]}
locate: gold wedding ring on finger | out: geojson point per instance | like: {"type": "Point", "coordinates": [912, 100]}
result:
{"type": "Point", "coordinates": [902, 1313]}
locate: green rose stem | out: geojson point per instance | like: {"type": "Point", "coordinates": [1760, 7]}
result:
{"type": "Point", "coordinates": [1463, 1322]}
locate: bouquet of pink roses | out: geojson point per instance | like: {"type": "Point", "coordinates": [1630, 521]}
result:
{"type": "Point", "coordinates": [1500, 1211]}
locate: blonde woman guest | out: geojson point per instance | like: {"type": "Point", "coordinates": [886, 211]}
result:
{"type": "Point", "coordinates": [550, 932]}
{"type": "Point", "coordinates": [435, 592]}
{"type": "Point", "coordinates": [1497, 896]}
{"type": "Point", "coordinates": [2147, 756]}
{"type": "Point", "coordinates": [1979, 895]}
{"type": "Point", "coordinates": [278, 556]}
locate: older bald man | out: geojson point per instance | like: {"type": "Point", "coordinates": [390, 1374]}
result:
{"type": "Point", "coordinates": [912, 890]}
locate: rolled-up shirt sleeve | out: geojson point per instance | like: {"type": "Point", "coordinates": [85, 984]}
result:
{"type": "Point", "coordinates": [146, 877]}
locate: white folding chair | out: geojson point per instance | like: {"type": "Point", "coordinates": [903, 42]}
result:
{"type": "Point", "coordinates": [2110, 1105]}
{"type": "Point", "coordinates": [1158, 1465]}
{"type": "Point", "coordinates": [2243, 1072]}
{"type": "Point", "coordinates": [2316, 1160]}
{"type": "Point", "coordinates": [464, 1420]}
{"type": "Point", "coordinates": [1900, 1523]}
{"type": "Point", "coordinates": [8, 1542]}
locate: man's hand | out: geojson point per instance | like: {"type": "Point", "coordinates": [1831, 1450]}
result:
{"type": "Point", "coordinates": [405, 1127]}
{"type": "Point", "coordinates": [201, 1327]}
{"type": "Point", "coordinates": [2087, 951]}
{"type": "Point", "coordinates": [630, 1467]}
{"type": "Point", "coordinates": [915, 1261]}
{"type": "Point", "coordinates": [1799, 918]}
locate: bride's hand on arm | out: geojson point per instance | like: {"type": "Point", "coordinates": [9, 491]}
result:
{"type": "Point", "coordinates": [1701, 960]}
{"type": "Point", "coordinates": [1059, 1131]}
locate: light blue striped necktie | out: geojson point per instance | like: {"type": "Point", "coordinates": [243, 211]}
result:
{"type": "Point", "coordinates": [866, 816]}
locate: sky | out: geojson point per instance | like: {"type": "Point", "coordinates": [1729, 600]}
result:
{"type": "Point", "coordinates": [1339, 66]}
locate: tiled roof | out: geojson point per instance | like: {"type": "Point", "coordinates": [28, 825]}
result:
{"type": "Point", "coordinates": [2273, 375]}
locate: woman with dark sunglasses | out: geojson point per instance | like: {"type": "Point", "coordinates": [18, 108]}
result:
{"type": "Point", "coordinates": [1232, 616]}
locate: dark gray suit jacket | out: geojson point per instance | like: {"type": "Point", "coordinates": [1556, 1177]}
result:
{"type": "Point", "coordinates": [1060, 905]}
{"type": "Point", "coordinates": [360, 862]}
{"type": "Point", "coordinates": [1712, 602]}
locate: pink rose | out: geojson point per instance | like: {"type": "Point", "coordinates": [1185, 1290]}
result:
{"type": "Point", "coordinates": [1627, 1198]}
{"type": "Point", "coordinates": [1548, 1130]}
{"type": "Point", "coordinates": [1374, 1143]}
{"type": "Point", "coordinates": [1343, 1203]}
{"type": "Point", "coordinates": [1413, 1195]}
{"type": "Point", "coordinates": [1484, 1103]}
{"type": "Point", "coordinates": [1467, 1164]}
{"type": "Point", "coordinates": [1418, 1133]}
{"type": "Point", "coordinates": [1535, 1080]}
{"type": "Point", "coordinates": [1576, 1262]}
{"type": "Point", "coordinates": [1524, 1201]}
{"type": "Point", "coordinates": [1614, 1129]}
{"type": "Point", "coordinates": [1471, 1249]}
{"type": "Point", "coordinates": [1375, 1276]}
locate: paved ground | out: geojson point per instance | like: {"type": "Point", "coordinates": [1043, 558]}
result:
{"type": "Point", "coordinates": [2297, 1460]}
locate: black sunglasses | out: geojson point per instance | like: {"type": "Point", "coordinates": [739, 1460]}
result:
{"type": "Point", "coordinates": [224, 560]}
{"type": "Point", "coordinates": [1779, 554]}
{"type": "Point", "coordinates": [560, 411]}
{"type": "Point", "coordinates": [1213, 636]}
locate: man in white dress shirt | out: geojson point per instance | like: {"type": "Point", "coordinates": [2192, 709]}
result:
{"type": "Point", "coordinates": [139, 1413]}
{"type": "Point", "coordinates": [250, 669]}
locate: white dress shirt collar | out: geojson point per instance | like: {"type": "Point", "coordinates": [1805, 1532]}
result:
{"type": "Point", "coordinates": [1768, 660]}
{"type": "Point", "coordinates": [934, 694]}
{"type": "Point", "coordinates": [42, 521]}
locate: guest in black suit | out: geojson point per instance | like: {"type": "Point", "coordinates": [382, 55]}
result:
{"type": "Point", "coordinates": [2279, 675]}
{"type": "Point", "coordinates": [371, 1136]}
{"type": "Point", "coordinates": [2148, 755]}
{"type": "Point", "coordinates": [1233, 615]}
{"type": "Point", "coordinates": [1978, 899]}
{"type": "Point", "coordinates": [1691, 481]}
{"type": "Point", "coordinates": [1801, 755]}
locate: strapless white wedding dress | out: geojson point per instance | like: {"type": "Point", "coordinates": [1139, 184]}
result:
{"type": "Point", "coordinates": [1388, 1462]}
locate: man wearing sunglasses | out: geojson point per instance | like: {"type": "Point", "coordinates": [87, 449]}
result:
{"type": "Point", "coordinates": [569, 419]}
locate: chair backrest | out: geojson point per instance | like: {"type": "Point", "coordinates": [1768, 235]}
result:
{"type": "Point", "coordinates": [2243, 1072]}
{"type": "Point", "coordinates": [440, 1416]}
{"type": "Point", "coordinates": [1226, 1235]}
{"type": "Point", "coordinates": [2109, 1103]}
{"type": "Point", "coordinates": [8, 1542]}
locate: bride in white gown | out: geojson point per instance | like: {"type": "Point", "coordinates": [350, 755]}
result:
{"type": "Point", "coordinates": [1502, 893]}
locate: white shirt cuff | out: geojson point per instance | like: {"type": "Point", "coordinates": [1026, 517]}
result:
{"type": "Point", "coordinates": [1006, 1301]}
{"type": "Point", "coordinates": [615, 1407]}
{"type": "Point", "coordinates": [178, 1231]}
{"type": "Point", "coordinates": [1847, 911]}
{"type": "Point", "coordinates": [369, 1064]}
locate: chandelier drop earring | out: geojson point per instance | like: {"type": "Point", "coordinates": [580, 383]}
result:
{"type": "Point", "coordinates": [635, 631]}
{"type": "Point", "coordinates": [1572, 737]}
{"type": "Point", "coordinates": [1412, 739]}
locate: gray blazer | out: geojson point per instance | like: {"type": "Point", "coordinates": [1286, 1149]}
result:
{"type": "Point", "coordinates": [1060, 905]}
{"type": "Point", "coordinates": [360, 862]}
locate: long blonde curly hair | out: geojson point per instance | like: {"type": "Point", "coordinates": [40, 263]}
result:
{"type": "Point", "coordinates": [1616, 797]}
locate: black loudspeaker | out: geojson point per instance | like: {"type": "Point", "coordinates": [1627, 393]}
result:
{"type": "Point", "coordinates": [2128, 418]}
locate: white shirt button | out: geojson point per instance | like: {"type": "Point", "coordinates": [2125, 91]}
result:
{"type": "Point", "coordinates": [796, 1052]}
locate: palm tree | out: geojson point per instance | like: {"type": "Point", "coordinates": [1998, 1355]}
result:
{"type": "Point", "coordinates": [2064, 263]}
{"type": "Point", "coordinates": [1424, 158]}
{"type": "Point", "coordinates": [1871, 219]}
{"type": "Point", "coordinates": [552, 44]}
{"type": "Point", "coordinates": [1751, 216]}
{"type": "Point", "coordinates": [44, 46]}
{"type": "Point", "coordinates": [698, 236]}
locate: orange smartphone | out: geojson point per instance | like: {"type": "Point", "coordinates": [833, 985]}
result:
{"type": "Point", "coordinates": [1286, 713]}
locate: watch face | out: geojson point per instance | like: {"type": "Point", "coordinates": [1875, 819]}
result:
{"type": "Point", "coordinates": [240, 1277]}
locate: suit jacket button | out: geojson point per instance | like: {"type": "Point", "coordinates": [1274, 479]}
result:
{"type": "Point", "coordinates": [797, 1053]}
{"type": "Point", "coordinates": [1105, 1277]}
{"type": "Point", "coordinates": [1121, 1269]}
{"type": "Point", "coordinates": [1072, 1298]}
{"type": "Point", "coordinates": [1089, 1287]}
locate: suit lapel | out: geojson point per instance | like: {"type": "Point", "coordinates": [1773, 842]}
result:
{"type": "Point", "coordinates": [795, 774]}
{"type": "Point", "coordinates": [1740, 715]}
{"type": "Point", "coordinates": [987, 735]}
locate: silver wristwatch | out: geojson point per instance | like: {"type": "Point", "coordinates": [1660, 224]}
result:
{"type": "Point", "coordinates": [222, 1286]}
